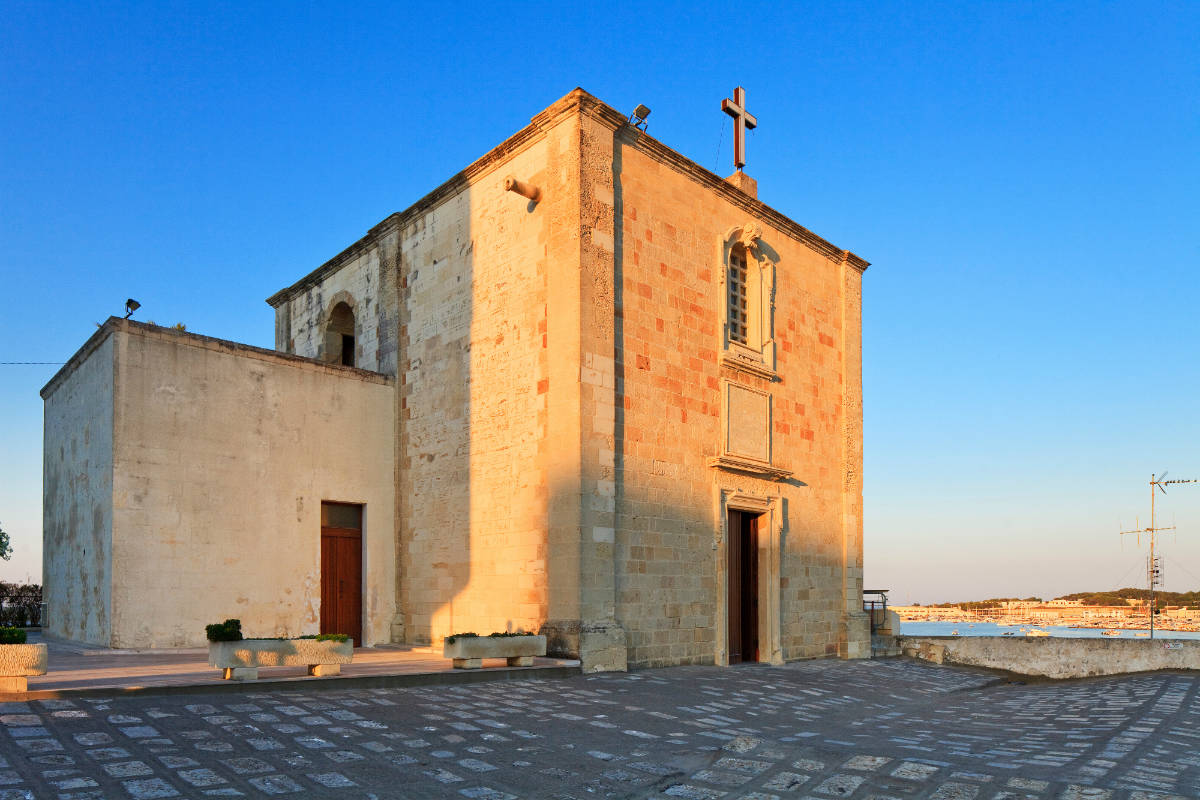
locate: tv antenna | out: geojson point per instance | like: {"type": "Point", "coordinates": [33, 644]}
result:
{"type": "Point", "coordinates": [1154, 563]}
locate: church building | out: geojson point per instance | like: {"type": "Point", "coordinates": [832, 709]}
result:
{"type": "Point", "coordinates": [585, 387]}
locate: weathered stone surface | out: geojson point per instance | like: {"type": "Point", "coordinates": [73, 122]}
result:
{"type": "Point", "coordinates": [278, 653]}
{"type": "Point", "coordinates": [77, 507]}
{"type": "Point", "coordinates": [1057, 657]}
{"type": "Point", "coordinates": [324, 670]}
{"type": "Point", "coordinates": [22, 660]}
{"type": "Point", "coordinates": [240, 673]}
{"type": "Point", "coordinates": [603, 647]}
{"type": "Point", "coordinates": [476, 647]}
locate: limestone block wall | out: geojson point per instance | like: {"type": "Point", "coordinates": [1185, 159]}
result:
{"type": "Point", "coordinates": [77, 496]}
{"type": "Point", "coordinates": [473, 408]}
{"type": "Point", "coordinates": [669, 547]}
{"type": "Point", "coordinates": [222, 454]}
{"type": "Point", "coordinates": [363, 276]}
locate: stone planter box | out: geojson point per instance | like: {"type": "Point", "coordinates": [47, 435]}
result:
{"type": "Point", "coordinates": [240, 661]}
{"type": "Point", "coordinates": [469, 652]}
{"type": "Point", "coordinates": [18, 662]}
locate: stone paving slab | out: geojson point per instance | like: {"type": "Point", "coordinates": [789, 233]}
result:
{"type": "Point", "coordinates": [818, 730]}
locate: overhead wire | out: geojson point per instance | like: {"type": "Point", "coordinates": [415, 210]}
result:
{"type": "Point", "coordinates": [1175, 563]}
{"type": "Point", "coordinates": [1117, 585]}
{"type": "Point", "coordinates": [720, 144]}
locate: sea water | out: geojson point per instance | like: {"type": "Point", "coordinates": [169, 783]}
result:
{"type": "Point", "coordinates": [992, 629]}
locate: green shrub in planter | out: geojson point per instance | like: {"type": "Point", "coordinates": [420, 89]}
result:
{"type": "Point", "coordinates": [228, 631]}
{"type": "Point", "coordinates": [12, 636]}
{"type": "Point", "coordinates": [327, 637]}
{"type": "Point", "coordinates": [451, 639]}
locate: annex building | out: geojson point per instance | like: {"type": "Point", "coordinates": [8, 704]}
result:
{"type": "Point", "coordinates": [584, 387]}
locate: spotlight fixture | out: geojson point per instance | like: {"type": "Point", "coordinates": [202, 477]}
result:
{"type": "Point", "coordinates": [638, 117]}
{"type": "Point", "coordinates": [131, 306]}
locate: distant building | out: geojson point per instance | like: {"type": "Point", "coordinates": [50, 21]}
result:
{"type": "Point", "coordinates": [928, 613]}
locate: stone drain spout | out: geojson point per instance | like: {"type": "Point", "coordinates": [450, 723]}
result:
{"type": "Point", "coordinates": [511, 184]}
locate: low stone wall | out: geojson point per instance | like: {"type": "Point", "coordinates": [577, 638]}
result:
{"type": "Point", "coordinates": [1056, 657]}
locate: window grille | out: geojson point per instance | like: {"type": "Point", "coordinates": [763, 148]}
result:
{"type": "Point", "coordinates": [738, 320]}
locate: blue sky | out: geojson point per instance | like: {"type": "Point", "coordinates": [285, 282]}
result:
{"type": "Point", "coordinates": [1023, 177]}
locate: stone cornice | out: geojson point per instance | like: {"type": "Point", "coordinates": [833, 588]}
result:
{"type": "Point", "coordinates": [734, 464]}
{"type": "Point", "coordinates": [576, 102]}
{"type": "Point", "coordinates": [144, 329]}
{"type": "Point", "coordinates": [757, 368]}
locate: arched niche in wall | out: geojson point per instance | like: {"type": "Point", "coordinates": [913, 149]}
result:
{"type": "Point", "coordinates": [339, 346]}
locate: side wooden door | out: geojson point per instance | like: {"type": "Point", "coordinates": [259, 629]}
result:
{"type": "Point", "coordinates": [741, 561]}
{"type": "Point", "coordinates": [341, 570]}
{"type": "Point", "coordinates": [750, 587]}
{"type": "Point", "coordinates": [733, 585]}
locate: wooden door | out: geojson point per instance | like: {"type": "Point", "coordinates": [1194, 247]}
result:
{"type": "Point", "coordinates": [733, 585]}
{"type": "Point", "coordinates": [742, 585]}
{"type": "Point", "coordinates": [750, 586]}
{"type": "Point", "coordinates": [341, 570]}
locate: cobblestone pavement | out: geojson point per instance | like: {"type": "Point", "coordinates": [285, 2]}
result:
{"type": "Point", "coordinates": [818, 729]}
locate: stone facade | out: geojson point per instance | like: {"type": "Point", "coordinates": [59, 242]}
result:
{"type": "Point", "coordinates": [573, 415]}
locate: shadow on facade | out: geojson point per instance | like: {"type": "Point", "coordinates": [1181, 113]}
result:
{"type": "Point", "coordinates": [471, 502]}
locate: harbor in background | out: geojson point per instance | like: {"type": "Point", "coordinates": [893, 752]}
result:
{"type": "Point", "coordinates": [908, 628]}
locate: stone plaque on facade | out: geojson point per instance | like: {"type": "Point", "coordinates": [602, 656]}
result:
{"type": "Point", "coordinates": [747, 423]}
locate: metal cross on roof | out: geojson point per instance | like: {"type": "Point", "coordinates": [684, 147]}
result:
{"type": "Point", "coordinates": [742, 119]}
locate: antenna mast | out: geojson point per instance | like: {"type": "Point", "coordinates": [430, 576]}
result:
{"type": "Point", "coordinates": [1153, 563]}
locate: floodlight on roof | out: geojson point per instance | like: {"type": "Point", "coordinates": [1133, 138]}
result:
{"type": "Point", "coordinates": [638, 118]}
{"type": "Point", "coordinates": [131, 306]}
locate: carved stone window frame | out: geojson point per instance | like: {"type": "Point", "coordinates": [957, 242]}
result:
{"type": "Point", "coordinates": [757, 356]}
{"type": "Point", "coordinates": [770, 507]}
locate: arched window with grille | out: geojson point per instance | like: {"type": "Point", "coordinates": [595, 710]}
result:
{"type": "Point", "coordinates": [748, 293]}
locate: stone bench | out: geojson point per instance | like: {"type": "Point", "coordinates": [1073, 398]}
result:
{"type": "Point", "coordinates": [18, 662]}
{"type": "Point", "coordinates": [240, 661]}
{"type": "Point", "coordinates": [468, 652]}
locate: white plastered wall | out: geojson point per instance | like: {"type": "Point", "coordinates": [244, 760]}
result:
{"type": "Point", "coordinates": [77, 499]}
{"type": "Point", "coordinates": [222, 456]}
